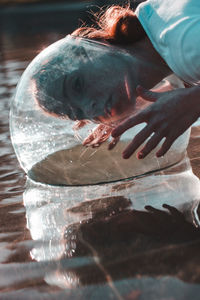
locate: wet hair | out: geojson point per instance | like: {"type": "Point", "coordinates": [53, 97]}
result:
{"type": "Point", "coordinates": [48, 82]}
{"type": "Point", "coordinates": [117, 25]}
{"type": "Point", "coordinates": [48, 87]}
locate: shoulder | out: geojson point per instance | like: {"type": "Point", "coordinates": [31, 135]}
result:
{"type": "Point", "coordinates": [173, 27]}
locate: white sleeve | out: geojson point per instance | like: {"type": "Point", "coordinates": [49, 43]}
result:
{"type": "Point", "coordinates": [175, 34]}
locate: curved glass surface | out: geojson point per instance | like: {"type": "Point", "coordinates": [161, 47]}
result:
{"type": "Point", "coordinates": [67, 93]}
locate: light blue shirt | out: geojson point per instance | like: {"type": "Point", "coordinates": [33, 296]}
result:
{"type": "Point", "coordinates": [173, 26]}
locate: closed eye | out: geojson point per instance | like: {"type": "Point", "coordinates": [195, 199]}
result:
{"type": "Point", "coordinates": [77, 84]}
{"type": "Point", "coordinates": [73, 83]}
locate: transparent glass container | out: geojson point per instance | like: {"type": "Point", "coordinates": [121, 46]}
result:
{"type": "Point", "coordinates": [47, 145]}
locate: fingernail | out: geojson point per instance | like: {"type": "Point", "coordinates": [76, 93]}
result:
{"type": "Point", "coordinates": [158, 154]}
{"type": "Point", "coordinates": [140, 155]}
{"type": "Point", "coordinates": [110, 146]}
{"type": "Point", "coordinates": [147, 207]}
{"type": "Point", "coordinates": [113, 133]}
{"type": "Point", "coordinates": [125, 155]}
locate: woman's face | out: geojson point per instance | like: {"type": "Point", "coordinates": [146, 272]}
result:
{"type": "Point", "coordinates": [101, 88]}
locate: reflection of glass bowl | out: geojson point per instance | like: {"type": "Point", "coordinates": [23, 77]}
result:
{"type": "Point", "coordinates": [77, 227]}
{"type": "Point", "coordinates": [49, 150]}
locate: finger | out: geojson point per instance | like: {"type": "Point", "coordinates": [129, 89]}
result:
{"type": "Point", "coordinates": [150, 145]}
{"type": "Point", "coordinates": [100, 135]}
{"type": "Point", "coordinates": [152, 209]}
{"type": "Point", "coordinates": [98, 140]}
{"type": "Point", "coordinates": [127, 124]}
{"type": "Point", "coordinates": [113, 143]}
{"type": "Point", "coordinates": [174, 211]}
{"type": "Point", "coordinates": [137, 141]}
{"type": "Point", "coordinates": [149, 208]}
{"type": "Point", "coordinates": [97, 133]}
{"type": "Point", "coordinates": [146, 94]}
{"type": "Point", "coordinates": [80, 124]}
{"type": "Point", "coordinates": [166, 145]}
{"type": "Point", "coordinates": [88, 140]}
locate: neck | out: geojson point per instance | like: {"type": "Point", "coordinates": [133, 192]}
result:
{"type": "Point", "coordinates": [151, 66]}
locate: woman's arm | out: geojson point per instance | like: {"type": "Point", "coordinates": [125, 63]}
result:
{"type": "Point", "coordinates": [168, 117]}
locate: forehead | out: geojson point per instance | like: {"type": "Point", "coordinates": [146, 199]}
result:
{"type": "Point", "coordinates": [69, 53]}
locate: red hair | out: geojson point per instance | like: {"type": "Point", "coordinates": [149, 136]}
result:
{"type": "Point", "coordinates": [117, 24]}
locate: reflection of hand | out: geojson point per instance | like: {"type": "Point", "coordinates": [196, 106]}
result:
{"type": "Point", "coordinates": [110, 231]}
{"type": "Point", "coordinates": [80, 124]}
{"type": "Point", "coordinates": [168, 117]}
{"type": "Point", "coordinates": [99, 135]}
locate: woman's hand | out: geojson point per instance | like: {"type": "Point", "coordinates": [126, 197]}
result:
{"type": "Point", "coordinates": [80, 124]}
{"type": "Point", "coordinates": [168, 117]}
{"type": "Point", "coordinates": [99, 135]}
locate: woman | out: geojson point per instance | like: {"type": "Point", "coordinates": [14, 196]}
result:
{"type": "Point", "coordinates": [85, 77]}
{"type": "Point", "coordinates": [173, 29]}
{"type": "Point", "coordinates": [152, 49]}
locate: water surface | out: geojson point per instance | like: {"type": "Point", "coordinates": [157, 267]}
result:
{"type": "Point", "coordinates": [137, 239]}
